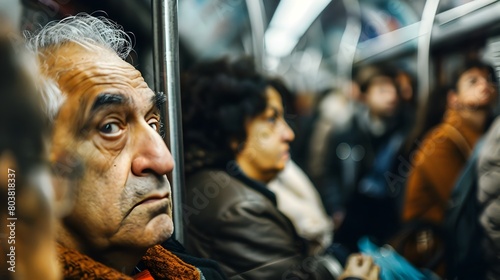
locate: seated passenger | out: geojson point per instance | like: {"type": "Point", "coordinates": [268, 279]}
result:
{"type": "Point", "coordinates": [105, 116]}
{"type": "Point", "coordinates": [236, 141]}
{"type": "Point", "coordinates": [27, 236]}
{"type": "Point", "coordinates": [445, 149]}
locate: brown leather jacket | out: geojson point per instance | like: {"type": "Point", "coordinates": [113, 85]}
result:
{"type": "Point", "coordinates": [236, 223]}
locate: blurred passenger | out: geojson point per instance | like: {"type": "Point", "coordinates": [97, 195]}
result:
{"type": "Point", "coordinates": [406, 85]}
{"type": "Point", "coordinates": [489, 198]}
{"type": "Point", "coordinates": [27, 236]}
{"type": "Point", "coordinates": [416, 123]}
{"type": "Point", "coordinates": [237, 141]}
{"type": "Point", "coordinates": [407, 89]}
{"type": "Point", "coordinates": [356, 191]}
{"type": "Point", "coordinates": [105, 115]}
{"type": "Point", "coordinates": [445, 150]}
{"type": "Point", "coordinates": [333, 111]}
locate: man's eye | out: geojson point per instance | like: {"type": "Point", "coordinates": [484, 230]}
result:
{"type": "Point", "coordinates": [153, 123]}
{"type": "Point", "coordinates": [110, 128]}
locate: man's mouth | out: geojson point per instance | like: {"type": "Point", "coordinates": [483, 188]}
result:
{"type": "Point", "coordinates": [157, 203]}
{"type": "Point", "coordinates": [154, 198]}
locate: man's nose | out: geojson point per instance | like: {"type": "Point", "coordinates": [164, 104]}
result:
{"type": "Point", "coordinates": [152, 154]}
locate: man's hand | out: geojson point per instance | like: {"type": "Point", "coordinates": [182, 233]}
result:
{"type": "Point", "coordinates": [362, 267]}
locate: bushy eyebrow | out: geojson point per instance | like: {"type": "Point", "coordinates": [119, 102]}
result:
{"type": "Point", "coordinates": [106, 99]}
{"type": "Point", "coordinates": [159, 99]}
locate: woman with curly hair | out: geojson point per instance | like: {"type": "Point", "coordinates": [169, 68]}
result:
{"type": "Point", "coordinates": [236, 141]}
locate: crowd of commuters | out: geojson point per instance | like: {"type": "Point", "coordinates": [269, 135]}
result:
{"type": "Point", "coordinates": [82, 157]}
{"type": "Point", "coordinates": [90, 166]}
{"type": "Point", "coordinates": [390, 175]}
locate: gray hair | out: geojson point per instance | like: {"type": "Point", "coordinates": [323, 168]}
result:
{"type": "Point", "coordinates": [83, 29]}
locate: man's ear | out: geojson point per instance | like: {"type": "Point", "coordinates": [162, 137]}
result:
{"type": "Point", "coordinates": [452, 99]}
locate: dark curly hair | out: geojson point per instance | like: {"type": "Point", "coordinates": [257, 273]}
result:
{"type": "Point", "coordinates": [218, 97]}
{"type": "Point", "coordinates": [468, 65]}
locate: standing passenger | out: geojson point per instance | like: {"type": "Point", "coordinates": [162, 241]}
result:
{"type": "Point", "coordinates": [356, 191]}
{"type": "Point", "coordinates": [445, 149]}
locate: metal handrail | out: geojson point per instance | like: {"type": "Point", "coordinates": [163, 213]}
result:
{"type": "Point", "coordinates": [470, 16]}
{"type": "Point", "coordinates": [167, 77]}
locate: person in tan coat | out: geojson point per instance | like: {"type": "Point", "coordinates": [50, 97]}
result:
{"type": "Point", "coordinates": [445, 150]}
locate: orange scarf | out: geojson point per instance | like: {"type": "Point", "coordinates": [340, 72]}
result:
{"type": "Point", "coordinates": [161, 264]}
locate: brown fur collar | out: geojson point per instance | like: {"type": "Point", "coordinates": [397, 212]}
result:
{"type": "Point", "coordinates": [161, 263]}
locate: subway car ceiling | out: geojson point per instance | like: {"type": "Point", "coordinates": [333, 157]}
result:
{"type": "Point", "coordinates": [309, 43]}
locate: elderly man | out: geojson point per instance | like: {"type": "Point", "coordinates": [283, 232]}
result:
{"type": "Point", "coordinates": [105, 116]}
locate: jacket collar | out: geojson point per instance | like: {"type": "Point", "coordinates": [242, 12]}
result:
{"type": "Point", "coordinates": [256, 185]}
{"type": "Point", "coordinates": [453, 118]}
{"type": "Point", "coordinates": [161, 263]}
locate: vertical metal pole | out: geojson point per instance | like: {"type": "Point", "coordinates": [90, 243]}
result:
{"type": "Point", "coordinates": [348, 45]}
{"type": "Point", "coordinates": [257, 17]}
{"type": "Point", "coordinates": [167, 78]}
{"type": "Point", "coordinates": [423, 57]}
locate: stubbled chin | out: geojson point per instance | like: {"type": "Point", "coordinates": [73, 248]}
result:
{"type": "Point", "coordinates": [161, 228]}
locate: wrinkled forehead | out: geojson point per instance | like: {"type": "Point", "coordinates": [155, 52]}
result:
{"type": "Point", "coordinates": [76, 69]}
